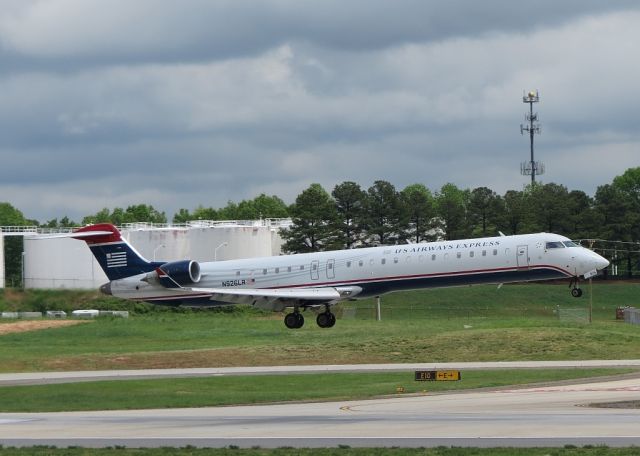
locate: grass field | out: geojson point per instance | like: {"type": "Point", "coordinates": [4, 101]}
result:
{"type": "Point", "coordinates": [517, 322]}
{"type": "Point", "coordinates": [233, 390]}
{"type": "Point", "coordinates": [463, 324]}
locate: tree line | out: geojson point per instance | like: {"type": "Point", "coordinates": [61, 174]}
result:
{"type": "Point", "coordinates": [351, 216]}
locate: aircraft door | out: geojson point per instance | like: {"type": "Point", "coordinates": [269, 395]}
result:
{"type": "Point", "coordinates": [331, 264]}
{"type": "Point", "coordinates": [522, 256]}
{"type": "Point", "coordinates": [315, 265]}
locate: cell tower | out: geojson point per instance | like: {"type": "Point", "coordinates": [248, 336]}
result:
{"type": "Point", "coordinates": [532, 167]}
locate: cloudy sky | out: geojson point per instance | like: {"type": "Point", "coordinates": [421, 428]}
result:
{"type": "Point", "coordinates": [177, 103]}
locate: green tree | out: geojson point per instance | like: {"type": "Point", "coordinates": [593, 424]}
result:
{"type": "Point", "coordinates": [628, 186]}
{"type": "Point", "coordinates": [514, 212]}
{"type": "Point", "coordinates": [133, 214]}
{"type": "Point", "coordinates": [64, 222]}
{"type": "Point", "coordinates": [270, 207]}
{"type": "Point", "coordinates": [384, 212]}
{"type": "Point", "coordinates": [205, 213]}
{"type": "Point", "coordinates": [451, 206]}
{"type": "Point", "coordinates": [581, 215]}
{"type": "Point", "coordinates": [350, 202]}
{"type": "Point", "coordinates": [102, 216]}
{"type": "Point", "coordinates": [13, 245]}
{"type": "Point", "coordinates": [550, 203]}
{"type": "Point", "coordinates": [313, 222]}
{"type": "Point", "coordinates": [612, 207]}
{"type": "Point", "coordinates": [229, 212]}
{"type": "Point", "coordinates": [143, 213]}
{"type": "Point", "coordinates": [182, 216]}
{"type": "Point", "coordinates": [484, 209]}
{"type": "Point", "coordinates": [10, 216]}
{"type": "Point", "coordinates": [418, 213]}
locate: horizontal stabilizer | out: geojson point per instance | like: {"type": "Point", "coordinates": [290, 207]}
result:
{"type": "Point", "coordinates": [76, 235]}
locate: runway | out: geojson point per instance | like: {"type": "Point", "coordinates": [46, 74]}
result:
{"type": "Point", "coordinates": [542, 416]}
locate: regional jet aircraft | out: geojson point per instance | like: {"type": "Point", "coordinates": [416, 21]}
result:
{"type": "Point", "coordinates": [321, 279]}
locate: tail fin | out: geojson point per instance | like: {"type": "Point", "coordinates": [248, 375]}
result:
{"type": "Point", "coordinates": [117, 258]}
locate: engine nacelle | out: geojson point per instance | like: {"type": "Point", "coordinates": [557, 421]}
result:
{"type": "Point", "coordinates": [182, 273]}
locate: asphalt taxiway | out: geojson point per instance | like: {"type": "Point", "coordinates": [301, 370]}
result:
{"type": "Point", "coordinates": [36, 378]}
{"type": "Point", "coordinates": [516, 417]}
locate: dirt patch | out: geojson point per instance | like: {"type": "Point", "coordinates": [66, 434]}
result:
{"type": "Point", "coordinates": [35, 325]}
{"type": "Point", "coordinates": [618, 405]}
{"type": "Point", "coordinates": [218, 357]}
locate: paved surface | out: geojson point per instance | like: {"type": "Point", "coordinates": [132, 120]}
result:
{"type": "Point", "coordinates": [34, 378]}
{"type": "Point", "coordinates": [543, 416]}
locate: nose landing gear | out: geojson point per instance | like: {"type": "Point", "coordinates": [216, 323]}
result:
{"type": "Point", "coordinates": [576, 291]}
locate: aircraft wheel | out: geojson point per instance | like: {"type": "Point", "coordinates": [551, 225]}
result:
{"type": "Point", "coordinates": [326, 320]}
{"type": "Point", "coordinates": [293, 320]}
{"type": "Point", "coordinates": [576, 292]}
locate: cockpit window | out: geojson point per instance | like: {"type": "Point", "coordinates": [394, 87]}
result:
{"type": "Point", "coordinates": [570, 244]}
{"type": "Point", "coordinates": [554, 245]}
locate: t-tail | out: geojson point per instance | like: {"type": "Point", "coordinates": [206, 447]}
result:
{"type": "Point", "coordinates": [116, 256]}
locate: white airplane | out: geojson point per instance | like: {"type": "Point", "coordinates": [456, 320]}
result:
{"type": "Point", "coordinates": [321, 279]}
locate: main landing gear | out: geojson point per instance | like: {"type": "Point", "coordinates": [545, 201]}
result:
{"type": "Point", "coordinates": [576, 291]}
{"type": "Point", "coordinates": [326, 319]}
{"type": "Point", "coordinates": [295, 320]}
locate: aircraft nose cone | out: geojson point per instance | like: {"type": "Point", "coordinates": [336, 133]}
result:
{"type": "Point", "coordinates": [106, 289]}
{"type": "Point", "coordinates": [601, 263]}
{"type": "Point", "coordinates": [598, 261]}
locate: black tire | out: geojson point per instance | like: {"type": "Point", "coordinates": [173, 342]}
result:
{"type": "Point", "coordinates": [323, 320]}
{"type": "Point", "coordinates": [291, 321]}
{"type": "Point", "coordinates": [576, 292]}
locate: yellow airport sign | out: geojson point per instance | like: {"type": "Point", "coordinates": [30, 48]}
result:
{"type": "Point", "coordinates": [438, 376]}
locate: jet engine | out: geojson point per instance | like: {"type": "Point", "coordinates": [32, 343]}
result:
{"type": "Point", "coordinates": [185, 272]}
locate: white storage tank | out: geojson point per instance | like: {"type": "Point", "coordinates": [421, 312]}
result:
{"type": "Point", "coordinates": [226, 242]}
{"type": "Point", "coordinates": [60, 263]}
{"type": "Point", "coordinates": [159, 244]}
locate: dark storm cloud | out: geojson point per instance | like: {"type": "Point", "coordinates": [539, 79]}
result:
{"type": "Point", "coordinates": [62, 34]}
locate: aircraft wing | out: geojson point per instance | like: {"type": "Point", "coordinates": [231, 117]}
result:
{"type": "Point", "coordinates": [276, 299]}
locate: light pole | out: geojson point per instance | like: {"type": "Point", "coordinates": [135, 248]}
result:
{"type": "Point", "coordinates": [161, 246]}
{"type": "Point", "coordinates": [215, 252]}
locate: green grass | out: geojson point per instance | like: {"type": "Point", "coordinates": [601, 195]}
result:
{"type": "Point", "coordinates": [338, 451]}
{"type": "Point", "coordinates": [458, 324]}
{"type": "Point", "coordinates": [233, 390]}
